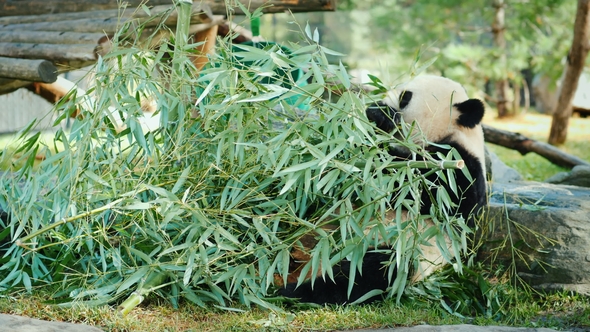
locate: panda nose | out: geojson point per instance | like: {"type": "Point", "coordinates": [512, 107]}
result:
{"type": "Point", "coordinates": [384, 116]}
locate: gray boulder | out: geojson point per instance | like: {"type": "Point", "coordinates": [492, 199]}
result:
{"type": "Point", "coordinates": [498, 171]}
{"type": "Point", "coordinates": [550, 228]}
{"type": "Point", "coordinates": [579, 176]}
{"type": "Point", "coordinates": [11, 323]}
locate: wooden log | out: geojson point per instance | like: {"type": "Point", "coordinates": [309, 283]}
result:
{"type": "Point", "coordinates": [525, 145]}
{"type": "Point", "coordinates": [126, 13]}
{"type": "Point", "coordinates": [50, 37]}
{"type": "Point", "coordinates": [105, 25]}
{"type": "Point", "coordinates": [39, 7]}
{"type": "Point", "coordinates": [30, 70]}
{"type": "Point", "coordinates": [7, 85]}
{"type": "Point", "coordinates": [81, 52]}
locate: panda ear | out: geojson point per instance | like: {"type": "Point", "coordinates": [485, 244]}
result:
{"type": "Point", "coordinates": [471, 113]}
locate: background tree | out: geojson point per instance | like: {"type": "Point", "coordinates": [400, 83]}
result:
{"type": "Point", "coordinates": [389, 37]}
{"type": "Point", "coordinates": [573, 69]}
{"type": "Point", "coordinates": [480, 42]}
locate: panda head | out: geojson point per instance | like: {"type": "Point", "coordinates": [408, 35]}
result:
{"type": "Point", "coordinates": [440, 107]}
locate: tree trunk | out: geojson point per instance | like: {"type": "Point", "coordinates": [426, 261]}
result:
{"type": "Point", "coordinates": [502, 87]}
{"type": "Point", "coordinates": [574, 67]}
{"type": "Point", "coordinates": [38, 7]}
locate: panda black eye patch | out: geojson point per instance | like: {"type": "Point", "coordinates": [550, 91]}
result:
{"type": "Point", "coordinates": [404, 98]}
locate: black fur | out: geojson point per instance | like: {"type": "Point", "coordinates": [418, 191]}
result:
{"type": "Point", "coordinates": [373, 276]}
{"type": "Point", "coordinates": [384, 116]}
{"type": "Point", "coordinates": [404, 99]}
{"type": "Point", "coordinates": [472, 111]}
{"type": "Point", "coordinates": [471, 198]}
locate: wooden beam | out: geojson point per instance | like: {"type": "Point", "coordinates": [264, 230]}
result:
{"type": "Point", "coordinates": [105, 25]}
{"type": "Point", "coordinates": [50, 37]}
{"type": "Point", "coordinates": [8, 85]}
{"type": "Point", "coordinates": [29, 70]}
{"type": "Point", "coordinates": [39, 7]}
{"type": "Point", "coordinates": [127, 13]}
{"type": "Point", "coordinates": [81, 52]}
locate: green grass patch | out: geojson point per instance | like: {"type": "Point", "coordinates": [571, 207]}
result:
{"type": "Point", "coordinates": [562, 311]}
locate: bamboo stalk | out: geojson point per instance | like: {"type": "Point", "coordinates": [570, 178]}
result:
{"type": "Point", "coordinates": [29, 70]}
{"type": "Point", "coordinates": [423, 164]}
{"type": "Point", "coordinates": [21, 242]}
{"type": "Point", "coordinates": [153, 280]}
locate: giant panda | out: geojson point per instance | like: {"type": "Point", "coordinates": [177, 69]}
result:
{"type": "Point", "coordinates": [447, 117]}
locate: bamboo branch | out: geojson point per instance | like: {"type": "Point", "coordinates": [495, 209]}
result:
{"type": "Point", "coordinates": [29, 70]}
{"type": "Point", "coordinates": [422, 164]}
{"type": "Point", "coordinates": [21, 242]}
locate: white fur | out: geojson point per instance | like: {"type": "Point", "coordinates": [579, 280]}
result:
{"type": "Point", "coordinates": [431, 107]}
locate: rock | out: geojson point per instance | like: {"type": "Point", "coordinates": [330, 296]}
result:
{"type": "Point", "coordinates": [459, 328]}
{"type": "Point", "coordinates": [11, 323]}
{"type": "Point", "coordinates": [550, 226]}
{"type": "Point", "coordinates": [579, 176]}
{"type": "Point", "coordinates": [501, 172]}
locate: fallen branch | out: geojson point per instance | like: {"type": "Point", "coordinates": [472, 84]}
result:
{"type": "Point", "coordinates": [524, 145]}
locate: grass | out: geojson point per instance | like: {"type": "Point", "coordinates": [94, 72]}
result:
{"type": "Point", "coordinates": [536, 126]}
{"type": "Point", "coordinates": [559, 311]}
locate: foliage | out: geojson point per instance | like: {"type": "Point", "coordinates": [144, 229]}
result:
{"type": "Point", "coordinates": [207, 207]}
{"type": "Point", "coordinates": [537, 33]}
